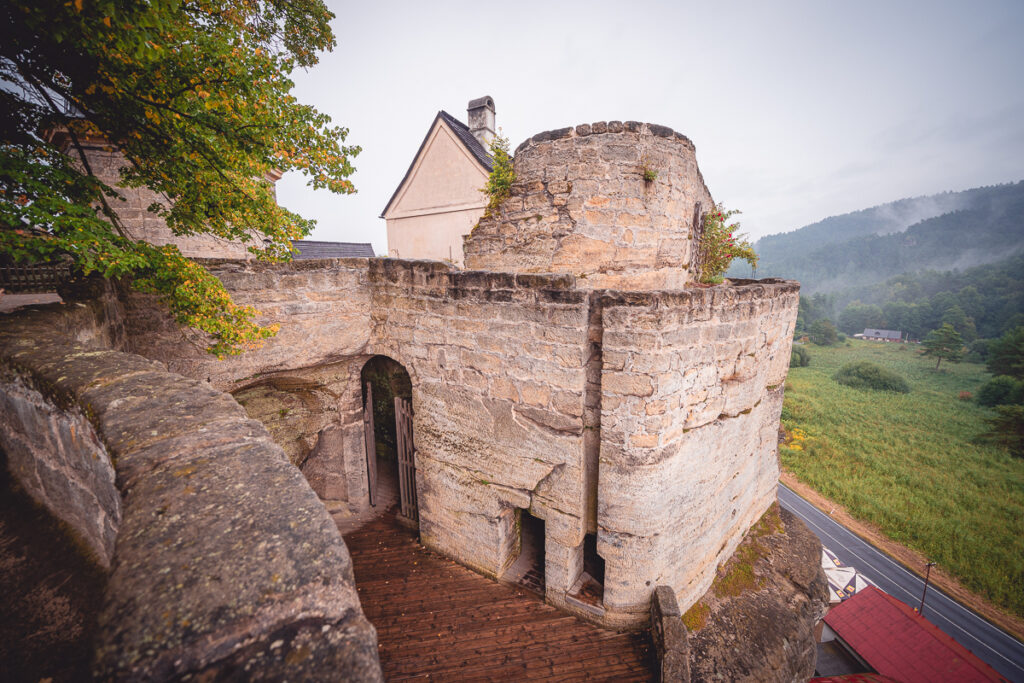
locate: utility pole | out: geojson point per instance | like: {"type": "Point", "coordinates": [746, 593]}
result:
{"type": "Point", "coordinates": [927, 573]}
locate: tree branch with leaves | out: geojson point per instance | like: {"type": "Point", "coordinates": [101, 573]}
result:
{"type": "Point", "coordinates": [195, 95]}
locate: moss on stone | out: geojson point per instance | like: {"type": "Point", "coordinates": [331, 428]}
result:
{"type": "Point", "coordinates": [769, 524]}
{"type": "Point", "coordinates": [695, 617]}
{"type": "Point", "coordinates": [737, 575]}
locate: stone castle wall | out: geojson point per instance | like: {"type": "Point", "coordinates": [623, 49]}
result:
{"type": "Point", "coordinates": [692, 392]}
{"type": "Point", "coordinates": [649, 418]}
{"type": "Point", "coordinates": [498, 366]}
{"type": "Point", "coordinates": [581, 204]}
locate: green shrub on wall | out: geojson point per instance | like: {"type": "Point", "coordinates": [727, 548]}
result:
{"type": "Point", "coordinates": [720, 245]}
{"type": "Point", "coordinates": [499, 182]}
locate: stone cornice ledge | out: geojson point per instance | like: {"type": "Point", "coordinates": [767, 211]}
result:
{"type": "Point", "coordinates": [226, 564]}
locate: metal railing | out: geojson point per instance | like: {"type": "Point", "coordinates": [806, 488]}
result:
{"type": "Point", "coordinates": [40, 277]}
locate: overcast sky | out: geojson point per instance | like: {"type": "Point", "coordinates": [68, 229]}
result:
{"type": "Point", "coordinates": [798, 110]}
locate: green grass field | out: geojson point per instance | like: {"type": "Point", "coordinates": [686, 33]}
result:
{"type": "Point", "coordinates": [911, 463]}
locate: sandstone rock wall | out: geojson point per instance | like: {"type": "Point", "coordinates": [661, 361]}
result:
{"type": "Point", "coordinates": [225, 564]}
{"type": "Point", "coordinates": [755, 624]}
{"type": "Point", "coordinates": [54, 454]}
{"type": "Point", "coordinates": [311, 413]}
{"type": "Point", "coordinates": [692, 393]}
{"type": "Point", "coordinates": [616, 204]}
{"type": "Point", "coordinates": [52, 450]}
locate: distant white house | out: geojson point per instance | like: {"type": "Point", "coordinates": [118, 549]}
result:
{"type": "Point", "coordinates": [881, 335]}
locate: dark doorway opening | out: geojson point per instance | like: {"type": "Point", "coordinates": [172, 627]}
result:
{"type": "Point", "coordinates": [527, 570]}
{"type": "Point", "coordinates": [593, 564]}
{"type": "Point", "coordinates": [589, 588]}
{"type": "Point", "coordinates": [387, 422]}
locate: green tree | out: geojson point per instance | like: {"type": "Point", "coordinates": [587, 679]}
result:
{"type": "Point", "coordinates": [944, 343]}
{"type": "Point", "coordinates": [956, 317]}
{"type": "Point", "coordinates": [196, 96]}
{"type": "Point", "coordinates": [1007, 428]}
{"type": "Point", "coordinates": [1001, 390]}
{"type": "Point", "coordinates": [499, 182]}
{"type": "Point", "coordinates": [799, 357]}
{"type": "Point", "coordinates": [903, 316]}
{"type": "Point", "coordinates": [857, 317]}
{"type": "Point", "coordinates": [1006, 354]}
{"type": "Point", "coordinates": [970, 299]}
{"type": "Point", "coordinates": [823, 333]}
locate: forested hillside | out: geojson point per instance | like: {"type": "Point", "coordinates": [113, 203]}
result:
{"type": "Point", "coordinates": [956, 231]}
{"type": "Point", "coordinates": [980, 302]}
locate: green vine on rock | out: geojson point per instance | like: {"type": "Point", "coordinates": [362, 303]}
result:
{"type": "Point", "coordinates": [721, 244]}
{"type": "Point", "coordinates": [198, 300]}
{"type": "Point", "coordinates": [499, 182]}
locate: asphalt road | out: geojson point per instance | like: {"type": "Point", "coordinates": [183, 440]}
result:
{"type": "Point", "coordinates": [999, 649]}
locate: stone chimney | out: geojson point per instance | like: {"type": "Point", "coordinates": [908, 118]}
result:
{"type": "Point", "coordinates": [481, 119]}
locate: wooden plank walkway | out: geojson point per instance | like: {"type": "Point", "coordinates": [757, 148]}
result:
{"type": "Point", "coordinates": [437, 620]}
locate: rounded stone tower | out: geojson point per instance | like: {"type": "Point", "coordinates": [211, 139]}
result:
{"type": "Point", "coordinates": [616, 204]}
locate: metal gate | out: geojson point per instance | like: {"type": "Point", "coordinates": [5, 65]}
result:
{"type": "Point", "coordinates": [371, 444]}
{"type": "Point", "coordinates": [406, 460]}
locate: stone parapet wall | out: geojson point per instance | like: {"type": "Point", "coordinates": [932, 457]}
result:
{"type": "Point", "coordinates": [324, 305]}
{"type": "Point", "coordinates": [692, 393]}
{"type": "Point", "coordinates": [225, 563]}
{"type": "Point", "coordinates": [581, 204]}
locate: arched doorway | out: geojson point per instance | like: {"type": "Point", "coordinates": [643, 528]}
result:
{"type": "Point", "coordinates": [387, 425]}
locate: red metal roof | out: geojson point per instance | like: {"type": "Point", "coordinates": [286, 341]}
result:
{"type": "Point", "coordinates": [897, 642]}
{"type": "Point", "coordinates": [854, 678]}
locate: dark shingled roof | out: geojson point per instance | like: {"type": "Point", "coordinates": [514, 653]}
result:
{"type": "Point", "coordinates": [468, 139]}
{"type": "Point", "coordinates": [883, 334]}
{"type": "Point", "coordinates": [309, 249]}
{"type": "Point", "coordinates": [461, 131]}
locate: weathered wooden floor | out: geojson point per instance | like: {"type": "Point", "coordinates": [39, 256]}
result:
{"type": "Point", "coordinates": [440, 621]}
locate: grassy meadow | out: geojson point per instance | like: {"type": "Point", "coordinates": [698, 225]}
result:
{"type": "Point", "coordinates": [911, 463]}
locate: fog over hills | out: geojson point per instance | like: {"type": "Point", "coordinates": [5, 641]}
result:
{"type": "Point", "coordinates": [948, 231]}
